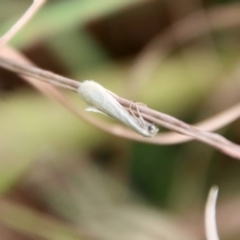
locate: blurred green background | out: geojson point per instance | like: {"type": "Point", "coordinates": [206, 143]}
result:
{"type": "Point", "coordinates": [60, 178]}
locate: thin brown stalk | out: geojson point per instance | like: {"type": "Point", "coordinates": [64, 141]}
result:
{"type": "Point", "coordinates": [148, 114]}
{"type": "Point", "coordinates": [35, 6]}
{"type": "Point", "coordinates": [181, 32]}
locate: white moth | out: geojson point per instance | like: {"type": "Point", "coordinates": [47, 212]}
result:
{"type": "Point", "coordinates": [101, 100]}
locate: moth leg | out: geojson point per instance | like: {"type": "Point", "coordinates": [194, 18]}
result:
{"type": "Point", "coordinates": [130, 110]}
{"type": "Point", "coordinates": [34, 7]}
{"type": "Point", "coordinates": [142, 104]}
{"type": "Point", "coordinates": [137, 116]}
{"type": "Point", "coordinates": [150, 126]}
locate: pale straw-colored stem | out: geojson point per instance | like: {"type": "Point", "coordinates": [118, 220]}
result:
{"type": "Point", "coordinates": [22, 21]}
{"type": "Point", "coordinates": [210, 215]}
{"type": "Point", "coordinates": [150, 115]}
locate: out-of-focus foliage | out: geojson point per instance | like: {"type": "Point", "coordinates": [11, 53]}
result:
{"type": "Point", "coordinates": [78, 183]}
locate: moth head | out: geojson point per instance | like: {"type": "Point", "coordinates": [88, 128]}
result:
{"type": "Point", "coordinates": [152, 129]}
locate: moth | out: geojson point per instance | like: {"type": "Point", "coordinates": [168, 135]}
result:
{"type": "Point", "coordinates": [100, 100]}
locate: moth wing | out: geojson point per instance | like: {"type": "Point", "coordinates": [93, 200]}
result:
{"type": "Point", "coordinates": [93, 109]}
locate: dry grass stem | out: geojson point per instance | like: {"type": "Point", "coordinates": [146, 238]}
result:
{"type": "Point", "coordinates": [148, 114]}
{"type": "Point", "coordinates": [22, 21]}
{"type": "Point", "coordinates": [181, 32]}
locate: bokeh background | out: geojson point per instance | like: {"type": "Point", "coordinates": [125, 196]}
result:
{"type": "Point", "coordinates": [61, 178]}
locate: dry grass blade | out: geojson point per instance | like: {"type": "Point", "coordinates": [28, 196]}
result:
{"type": "Point", "coordinates": [13, 214]}
{"type": "Point", "coordinates": [182, 31]}
{"type": "Point", "coordinates": [22, 21]}
{"type": "Point", "coordinates": [210, 215]}
{"type": "Point", "coordinates": [148, 114]}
